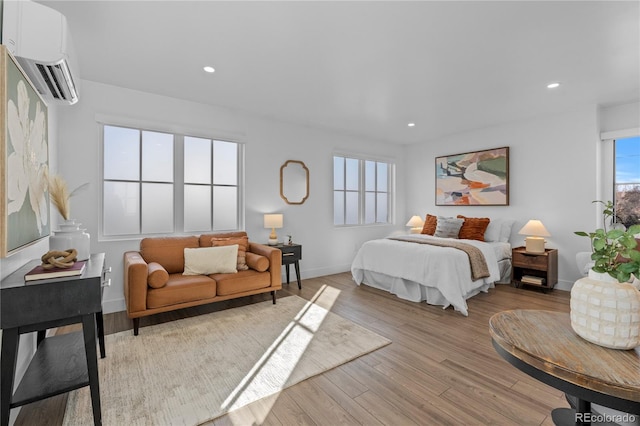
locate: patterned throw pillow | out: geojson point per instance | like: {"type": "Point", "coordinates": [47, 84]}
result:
{"type": "Point", "coordinates": [243, 246]}
{"type": "Point", "coordinates": [473, 228]}
{"type": "Point", "coordinates": [448, 227]}
{"type": "Point", "coordinates": [430, 223]}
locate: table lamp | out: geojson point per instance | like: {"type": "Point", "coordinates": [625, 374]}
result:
{"type": "Point", "coordinates": [535, 230]}
{"type": "Point", "coordinates": [273, 221]}
{"type": "Point", "coordinates": [416, 223]}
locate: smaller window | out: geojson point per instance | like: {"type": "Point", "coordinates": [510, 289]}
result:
{"type": "Point", "coordinates": [361, 191]}
{"type": "Point", "coordinates": [627, 180]}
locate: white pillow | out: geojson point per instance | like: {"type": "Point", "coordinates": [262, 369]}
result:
{"type": "Point", "coordinates": [211, 260]}
{"type": "Point", "coordinates": [492, 233]}
{"type": "Point", "coordinates": [499, 230]}
{"type": "Point", "coordinates": [505, 230]}
{"type": "Point", "coordinates": [448, 227]}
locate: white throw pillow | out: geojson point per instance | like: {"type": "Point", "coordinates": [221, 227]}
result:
{"type": "Point", "coordinates": [448, 227]}
{"type": "Point", "coordinates": [499, 230]}
{"type": "Point", "coordinates": [505, 231]}
{"type": "Point", "coordinates": [211, 260]}
{"type": "Point", "coordinates": [492, 233]}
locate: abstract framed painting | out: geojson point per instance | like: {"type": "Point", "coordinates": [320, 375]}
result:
{"type": "Point", "coordinates": [473, 178]}
{"type": "Point", "coordinates": [24, 159]}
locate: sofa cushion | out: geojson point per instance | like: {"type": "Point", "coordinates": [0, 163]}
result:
{"type": "Point", "coordinates": [243, 246]}
{"type": "Point", "coordinates": [227, 284]}
{"type": "Point", "coordinates": [210, 260]}
{"type": "Point", "coordinates": [181, 289]}
{"type": "Point", "coordinates": [167, 251]}
{"type": "Point", "coordinates": [257, 262]}
{"type": "Point", "coordinates": [158, 276]}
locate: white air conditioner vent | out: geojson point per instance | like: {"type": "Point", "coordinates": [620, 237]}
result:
{"type": "Point", "coordinates": [59, 81]}
{"type": "Point", "coordinates": [39, 38]}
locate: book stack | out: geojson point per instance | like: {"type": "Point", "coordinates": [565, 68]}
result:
{"type": "Point", "coordinates": [40, 273]}
{"type": "Point", "coordinates": [532, 279]}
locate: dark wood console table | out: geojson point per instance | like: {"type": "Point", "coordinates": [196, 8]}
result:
{"type": "Point", "coordinates": [543, 345]}
{"type": "Point", "coordinates": [61, 363]}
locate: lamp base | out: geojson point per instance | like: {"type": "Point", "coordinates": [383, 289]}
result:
{"type": "Point", "coordinates": [534, 245]}
{"type": "Point", "coordinates": [273, 242]}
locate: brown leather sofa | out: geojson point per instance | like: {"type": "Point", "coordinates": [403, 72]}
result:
{"type": "Point", "coordinates": [154, 280]}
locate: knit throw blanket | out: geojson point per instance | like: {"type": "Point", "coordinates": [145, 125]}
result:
{"type": "Point", "coordinates": [477, 261]}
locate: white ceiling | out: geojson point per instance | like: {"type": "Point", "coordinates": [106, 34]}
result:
{"type": "Point", "coordinates": [367, 68]}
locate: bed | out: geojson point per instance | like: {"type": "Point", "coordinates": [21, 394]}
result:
{"type": "Point", "coordinates": [423, 272]}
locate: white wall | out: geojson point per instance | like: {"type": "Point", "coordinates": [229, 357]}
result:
{"type": "Point", "coordinates": [553, 175]}
{"type": "Point", "coordinates": [620, 117]}
{"type": "Point", "coordinates": [269, 144]}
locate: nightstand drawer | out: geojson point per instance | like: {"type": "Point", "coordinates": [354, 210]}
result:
{"type": "Point", "coordinates": [290, 254]}
{"type": "Point", "coordinates": [533, 261]}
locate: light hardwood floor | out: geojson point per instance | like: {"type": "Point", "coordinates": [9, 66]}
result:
{"type": "Point", "coordinates": [441, 368]}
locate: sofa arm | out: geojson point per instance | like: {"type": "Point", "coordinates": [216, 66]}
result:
{"type": "Point", "coordinates": [136, 272]}
{"type": "Point", "coordinates": [275, 261]}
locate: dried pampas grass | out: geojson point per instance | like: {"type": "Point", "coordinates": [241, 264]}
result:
{"type": "Point", "coordinates": [60, 195]}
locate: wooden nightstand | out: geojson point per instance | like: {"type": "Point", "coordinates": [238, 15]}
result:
{"type": "Point", "coordinates": [291, 253]}
{"type": "Point", "coordinates": [540, 266]}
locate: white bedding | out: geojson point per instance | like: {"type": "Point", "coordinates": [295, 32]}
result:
{"type": "Point", "coordinates": [423, 272]}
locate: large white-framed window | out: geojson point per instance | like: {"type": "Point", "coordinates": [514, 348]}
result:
{"type": "Point", "coordinates": [157, 182]}
{"type": "Point", "coordinates": [362, 191]}
{"type": "Point", "coordinates": [626, 180]}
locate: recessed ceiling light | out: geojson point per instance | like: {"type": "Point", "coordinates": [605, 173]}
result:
{"type": "Point", "coordinates": [553, 85]}
{"type": "Point", "coordinates": [209, 69]}
{"type": "Point", "coordinates": [411, 124]}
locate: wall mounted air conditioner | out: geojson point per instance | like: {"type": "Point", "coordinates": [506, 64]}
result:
{"type": "Point", "coordinates": [39, 38]}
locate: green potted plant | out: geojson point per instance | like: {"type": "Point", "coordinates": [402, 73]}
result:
{"type": "Point", "coordinates": [605, 307]}
{"type": "Point", "coordinates": [614, 251]}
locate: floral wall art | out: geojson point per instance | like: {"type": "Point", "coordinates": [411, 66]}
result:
{"type": "Point", "coordinates": [24, 164]}
{"type": "Point", "coordinates": [473, 178]}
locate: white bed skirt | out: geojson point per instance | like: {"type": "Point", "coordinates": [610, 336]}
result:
{"type": "Point", "coordinates": [505, 271]}
{"type": "Point", "coordinates": [412, 291]}
{"type": "Point", "coordinates": [415, 292]}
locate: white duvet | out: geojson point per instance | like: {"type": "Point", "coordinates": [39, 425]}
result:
{"type": "Point", "coordinates": [422, 272]}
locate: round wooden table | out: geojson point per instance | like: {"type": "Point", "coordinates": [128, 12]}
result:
{"type": "Point", "coordinates": [543, 345]}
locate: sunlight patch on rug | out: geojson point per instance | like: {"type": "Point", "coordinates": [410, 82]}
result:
{"type": "Point", "coordinates": [196, 369]}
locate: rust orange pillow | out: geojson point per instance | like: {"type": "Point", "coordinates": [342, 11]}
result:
{"type": "Point", "coordinates": [473, 228]}
{"type": "Point", "coordinates": [243, 246]}
{"type": "Point", "coordinates": [430, 223]}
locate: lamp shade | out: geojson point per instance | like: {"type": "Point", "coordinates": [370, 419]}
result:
{"type": "Point", "coordinates": [273, 221]}
{"type": "Point", "coordinates": [415, 221]}
{"type": "Point", "coordinates": [535, 228]}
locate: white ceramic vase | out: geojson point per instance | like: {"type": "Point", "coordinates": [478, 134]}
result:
{"type": "Point", "coordinates": [606, 312]}
{"type": "Point", "coordinates": [71, 236]}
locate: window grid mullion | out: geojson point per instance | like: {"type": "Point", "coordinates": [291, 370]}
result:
{"type": "Point", "coordinates": [361, 193]}
{"type": "Point", "coordinates": [211, 185]}
{"type": "Point", "coordinates": [344, 191]}
{"type": "Point", "coordinates": [140, 180]}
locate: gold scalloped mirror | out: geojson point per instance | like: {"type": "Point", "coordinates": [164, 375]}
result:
{"type": "Point", "coordinates": [294, 182]}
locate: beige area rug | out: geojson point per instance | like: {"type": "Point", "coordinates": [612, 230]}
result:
{"type": "Point", "coordinates": [188, 371]}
